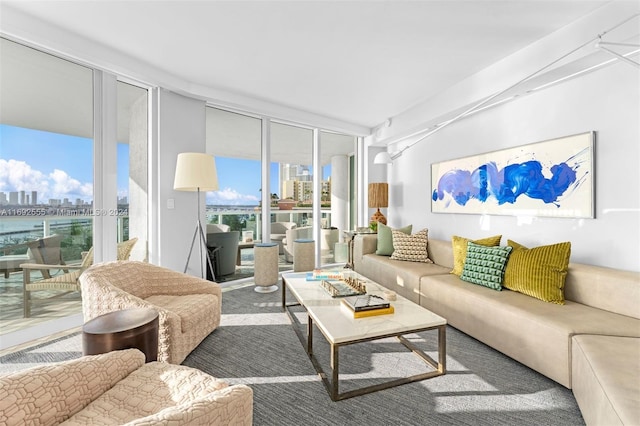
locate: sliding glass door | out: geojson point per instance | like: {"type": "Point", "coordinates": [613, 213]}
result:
{"type": "Point", "coordinates": [48, 177]}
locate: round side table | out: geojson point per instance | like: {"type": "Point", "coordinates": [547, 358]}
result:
{"type": "Point", "coordinates": [266, 267]}
{"type": "Point", "coordinates": [303, 255]}
{"type": "Point", "coordinates": [128, 328]}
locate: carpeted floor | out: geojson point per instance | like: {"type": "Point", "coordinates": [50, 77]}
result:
{"type": "Point", "coordinates": [257, 346]}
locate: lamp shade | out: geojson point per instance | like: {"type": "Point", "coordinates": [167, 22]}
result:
{"type": "Point", "coordinates": [195, 171]}
{"type": "Point", "coordinates": [378, 195]}
{"type": "Point", "coordinates": [382, 158]}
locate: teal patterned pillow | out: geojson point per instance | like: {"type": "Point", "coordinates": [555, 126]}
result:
{"type": "Point", "coordinates": [485, 265]}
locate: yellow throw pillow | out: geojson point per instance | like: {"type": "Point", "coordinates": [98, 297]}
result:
{"type": "Point", "coordinates": [460, 250]}
{"type": "Point", "coordinates": [539, 272]}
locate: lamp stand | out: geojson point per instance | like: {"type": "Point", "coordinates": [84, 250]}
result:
{"type": "Point", "coordinates": [378, 217]}
{"type": "Point", "coordinates": [203, 243]}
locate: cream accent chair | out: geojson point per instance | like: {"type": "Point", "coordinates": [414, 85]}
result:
{"type": "Point", "coordinates": [304, 232]}
{"type": "Point", "coordinates": [189, 307]}
{"type": "Point", "coordinates": [118, 388]}
{"type": "Point", "coordinates": [279, 233]}
{"type": "Point", "coordinates": [63, 282]}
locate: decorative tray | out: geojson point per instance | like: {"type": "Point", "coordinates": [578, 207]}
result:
{"type": "Point", "coordinates": [344, 288]}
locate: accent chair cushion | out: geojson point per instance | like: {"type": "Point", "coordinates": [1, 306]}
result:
{"type": "Point", "coordinates": [460, 249]}
{"type": "Point", "coordinates": [412, 248]}
{"type": "Point", "coordinates": [385, 239]}
{"type": "Point", "coordinates": [485, 265]}
{"type": "Point", "coordinates": [539, 272]}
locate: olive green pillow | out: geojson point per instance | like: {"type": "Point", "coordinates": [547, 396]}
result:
{"type": "Point", "coordinates": [538, 272]}
{"type": "Point", "coordinates": [385, 238]}
{"type": "Point", "coordinates": [485, 265]}
{"type": "Point", "coordinates": [460, 249]}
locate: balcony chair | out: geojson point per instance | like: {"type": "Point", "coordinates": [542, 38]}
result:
{"type": "Point", "coordinates": [279, 233]}
{"type": "Point", "coordinates": [304, 232]}
{"type": "Point", "coordinates": [43, 251]}
{"type": "Point", "coordinates": [226, 255]}
{"type": "Point", "coordinates": [67, 281]}
{"type": "Point", "coordinates": [189, 307]}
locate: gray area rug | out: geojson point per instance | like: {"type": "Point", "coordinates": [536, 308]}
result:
{"type": "Point", "coordinates": [256, 345]}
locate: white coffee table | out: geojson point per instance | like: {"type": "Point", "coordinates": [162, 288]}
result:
{"type": "Point", "coordinates": [339, 328]}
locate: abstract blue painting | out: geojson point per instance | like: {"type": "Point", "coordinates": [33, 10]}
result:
{"type": "Point", "coordinates": [553, 178]}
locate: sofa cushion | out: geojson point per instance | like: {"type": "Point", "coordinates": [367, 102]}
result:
{"type": "Point", "coordinates": [147, 391]}
{"type": "Point", "coordinates": [485, 265]}
{"type": "Point", "coordinates": [533, 332]}
{"type": "Point", "coordinates": [397, 275]}
{"type": "Point", "coordinates": [606, 379]}
{"type": "Point", "coordinates": [460, 250]}
{"type": "Point", "coordinates": [412, 248]}
{"type": "Point", "coordinates": [385, 238]}
{"type": "Point", "coordinates": [538, 272]}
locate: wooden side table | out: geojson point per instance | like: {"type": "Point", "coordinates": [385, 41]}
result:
{"type": "Point", "coordinates": [128, 328]}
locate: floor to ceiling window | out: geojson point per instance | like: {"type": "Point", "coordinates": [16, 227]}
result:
{"type": "Point", "coordinates": [235, 142]}
{"type": "Point", "coordinates": [47, 178]}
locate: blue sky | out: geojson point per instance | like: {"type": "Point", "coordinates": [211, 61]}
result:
{"type": "Point", "coordinates": [61, 166]}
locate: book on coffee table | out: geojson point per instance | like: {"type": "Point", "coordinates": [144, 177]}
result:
{"type": "Point", "coordinates": [370, 312]}
{"type": "Point", "coordinates": [366, 302]}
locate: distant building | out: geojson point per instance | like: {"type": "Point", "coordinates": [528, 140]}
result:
{"type": "Point", "coordinates": [34, 198]}
{"type": "Point", "coordinates": [13, 197]}
{"type": "Point", "coordinates": [23, 198]}
{"type": "Point", "coordinates": [3, 199]}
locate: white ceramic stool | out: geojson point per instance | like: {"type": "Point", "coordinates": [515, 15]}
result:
{"type": "Point", "coordinates": [303, 255]}
{"type": "Point", "coordinates": [341, 253]}
{"type": "Point", "coordinates": [265, 269]}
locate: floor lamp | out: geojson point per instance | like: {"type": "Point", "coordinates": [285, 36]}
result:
{"type": "Point", "coordinates": [196, 172]}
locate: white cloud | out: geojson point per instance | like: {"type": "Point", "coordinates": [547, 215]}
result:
{"type": "Point", "coordinates": [64, 186]}
{"type": "Point", "coordinates": [230, 196]}
{"type": "Point", "coordinates": [19, 176]}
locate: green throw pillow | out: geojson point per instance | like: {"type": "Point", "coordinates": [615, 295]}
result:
{"type": "Point", "coordinates": [485, 265]}
{"type": "Point", "coordinates": [460, 249]}
{"type": "Point", "coordinates": [385, 239]}
{"type": "Point", "coordinates": [412, 248]}
{"type": "Point", "coordinates": [538, 272]}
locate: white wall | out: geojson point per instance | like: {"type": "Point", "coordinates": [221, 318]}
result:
{"type": "Point", "coordinates": [606, 101]}
{"type": "Point", "coordinates": [181, 129]}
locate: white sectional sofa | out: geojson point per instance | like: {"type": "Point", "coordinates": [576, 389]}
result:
{"type": "Point", "coordinates": [568, 343]}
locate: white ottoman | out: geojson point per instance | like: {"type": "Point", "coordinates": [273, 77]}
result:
{"type": "Point", "coordinates": [303, 255]}
{"type": "Point", "coordinates": [265, 269]}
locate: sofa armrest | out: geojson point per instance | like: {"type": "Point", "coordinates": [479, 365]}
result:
{"type": "Point", "coordinates": [363, 244]}
{"type": "Point", "coordinates": [50, 394]}
{"type": "Point", "coordinates": [231, 405]}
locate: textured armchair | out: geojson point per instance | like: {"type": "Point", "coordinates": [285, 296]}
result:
{"type": "Point", "coordinates": [189, 308]}
{"type": "Point", "coordinates": [118, 388]}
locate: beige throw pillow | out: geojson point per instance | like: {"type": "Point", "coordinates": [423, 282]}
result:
{"type": "Point", "coordinates": [411, 248]}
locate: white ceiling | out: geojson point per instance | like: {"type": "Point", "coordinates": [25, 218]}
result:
{"type": "Point", "coordinates": [360, 62]}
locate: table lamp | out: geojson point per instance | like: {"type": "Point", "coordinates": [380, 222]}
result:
{"type": "Point", "coordinates": [378, 197]}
